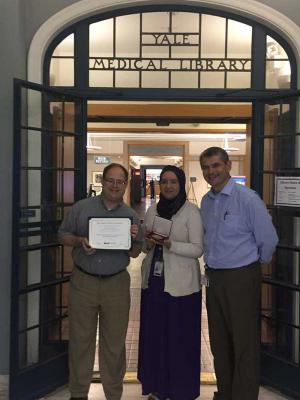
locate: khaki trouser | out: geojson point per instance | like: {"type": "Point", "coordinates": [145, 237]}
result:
{"type": "Point", "coordinates": [233, 309]}
{"type": "Point", "coordinates": [108, 298]}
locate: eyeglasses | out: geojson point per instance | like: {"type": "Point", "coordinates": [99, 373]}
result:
{"type": "Point", "coordinates": [115, 182]}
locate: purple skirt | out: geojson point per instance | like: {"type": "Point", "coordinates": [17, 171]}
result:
{"type": "Point", "coordinates": [169, 344]}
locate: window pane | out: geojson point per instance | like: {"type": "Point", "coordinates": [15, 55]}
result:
{"type": "Point", "coordinates": [128, 36]}
{"type": "Point", "coordinates": [278, 69]}
{"type": "Point", "coordinates": [184, 80]}
{"type": "Point", "coordinates": [238, 80]}
{"type": "Point", "coordinates": [212, 79]}
{"type": "Point", "coordinates": [127, 79]}
{"type": "Point", "coordinates": [62, 72]}
{"type": "Point", "coordinates": [155, 79]}
{"type": "Point", "coordinates": [101, 39]}
{"type": "Point", "coordinates": [65, 47]}
{"type": "Point", "coordinates": [185, 22]}
{"type": "Point", "coordinates": [278, 74]}
{"type": "Point", "coordinates": [213, 40]}
{"type": "Point", "coordinates": [62, 63]}
{"type": "Point", "coordinates": [156, 22]}
{"type": "Point", "coordinates": [239, 40]}
{"type": "Point", "coordinates": [101, 78]}
{"type": "Point", "coordinates": [185, 52]}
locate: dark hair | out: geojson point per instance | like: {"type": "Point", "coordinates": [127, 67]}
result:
{"type": "Point", "coordinates": [214, 151]}
{"type": "Point", "coordinates": [113, 165]}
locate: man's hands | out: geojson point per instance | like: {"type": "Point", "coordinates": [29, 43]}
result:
{"type": "Point", "coordinates": [86, 246]}
{"type": "Point", "coordinates": [134, 229]}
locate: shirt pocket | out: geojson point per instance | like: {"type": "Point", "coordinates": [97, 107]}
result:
{"type": "Point", "coordinates": [232, 224]}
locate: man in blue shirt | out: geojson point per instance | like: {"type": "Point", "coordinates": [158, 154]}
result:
{"type": "Point", "coordinates": [238, 237]}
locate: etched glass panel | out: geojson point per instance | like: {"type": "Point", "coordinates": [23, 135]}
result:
{"type": "Point", "coordinates": [213, 40]}
{"type": "Point", "coordinates": [101, 38]}
{"type": "Point", "coordinates": [156, 79]}
{"type": "Point", "coordinates": [62, 63]}
{"type": "Point", "coordinates": [101, 78]}
{"type": "Point", "coordinates": [185, 22]}
{"type": "Point", "coordinates": [212, 79]}
{"type": "Point", "coordinates": [184, 80]}
{"type": "Point", "coordinates": [127, 79]}
{"type": "Point", "coordinates": [239, 40]}
{"type": "Point", "coordinates": [128, 36]}
{"type": "Point", "coordinates": [156, 22]}
{"type": "Point", "coordinates": [278, 68]}
{"type": "Point", "coordinates": [238, 80]}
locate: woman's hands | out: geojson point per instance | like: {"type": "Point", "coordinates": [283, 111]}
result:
{"type": "Point", "coordinates": [150, 241]}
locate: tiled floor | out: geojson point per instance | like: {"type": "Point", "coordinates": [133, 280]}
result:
{"type": "Point", "coordinates": [133, 392]}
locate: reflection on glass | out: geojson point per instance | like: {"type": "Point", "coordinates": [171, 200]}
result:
{"type": "Point", "coordinates": [280, 308]}
{"type": "Point", "coordinates": [268, 188]}
{"type": "Point", "coordinates": [33, 116]}
{"type": "Point", "coordinates": [278, 69]}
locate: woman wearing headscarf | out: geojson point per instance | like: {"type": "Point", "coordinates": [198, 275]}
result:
{"type": "Point", "coordinates": [169, 346]}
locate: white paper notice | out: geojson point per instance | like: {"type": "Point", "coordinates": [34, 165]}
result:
{"type": "Point", "coordinates": [110, 233]}
{"type": "Point", "coordinates": [287, 191]}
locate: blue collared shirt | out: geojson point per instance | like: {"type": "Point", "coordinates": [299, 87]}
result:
{"type": "Point", "coordinates": [237, 228]}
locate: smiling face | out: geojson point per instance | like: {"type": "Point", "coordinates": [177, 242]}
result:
{"type": "Point", "coordinates": [169, 185]}
{"type": "Point", "coordinates": [216, 171]}
{"type": "Point", "coordinates": [114, 185]}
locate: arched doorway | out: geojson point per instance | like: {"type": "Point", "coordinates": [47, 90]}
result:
{"type": "Point", "coordinates": [181, 74]}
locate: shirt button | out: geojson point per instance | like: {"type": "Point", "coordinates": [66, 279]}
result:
{"type": "Point", "coordinates": [99, 261]}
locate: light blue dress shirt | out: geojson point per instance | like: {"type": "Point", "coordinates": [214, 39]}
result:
{"type": "Point", "coordinates": [237, 228]}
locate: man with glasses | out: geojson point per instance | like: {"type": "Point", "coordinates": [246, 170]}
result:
{"type": "Point", "coordinates": [99, 288]}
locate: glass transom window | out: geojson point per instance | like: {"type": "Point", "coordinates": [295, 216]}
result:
{"type": "Point", "coordinates": [169, 50]}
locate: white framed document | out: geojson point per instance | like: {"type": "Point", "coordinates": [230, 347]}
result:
{"type": "Point", "coordinates": [110, 233]}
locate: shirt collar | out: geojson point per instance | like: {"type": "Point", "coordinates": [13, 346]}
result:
{"type": "Point", "coordinates": [227, 189]}
{"type": "Point", "coordinates": [104, 205]}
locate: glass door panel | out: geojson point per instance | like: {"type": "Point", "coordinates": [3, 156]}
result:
{"type": "Point", "coordinates": [48, 133]}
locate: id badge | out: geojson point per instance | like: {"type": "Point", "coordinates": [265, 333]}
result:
{"type": "Point", "coordinates": [158, 268]}
{"type": "Point", "coordinates": [204, 280]}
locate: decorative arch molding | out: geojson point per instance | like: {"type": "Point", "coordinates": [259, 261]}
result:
{"type": "Point", "coordinates": [252, 9]}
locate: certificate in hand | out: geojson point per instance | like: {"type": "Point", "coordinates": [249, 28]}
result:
{"type": "Point", "coordinates": [161, 228]}
{"type": "Point", "coordinates": [110, 233]}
